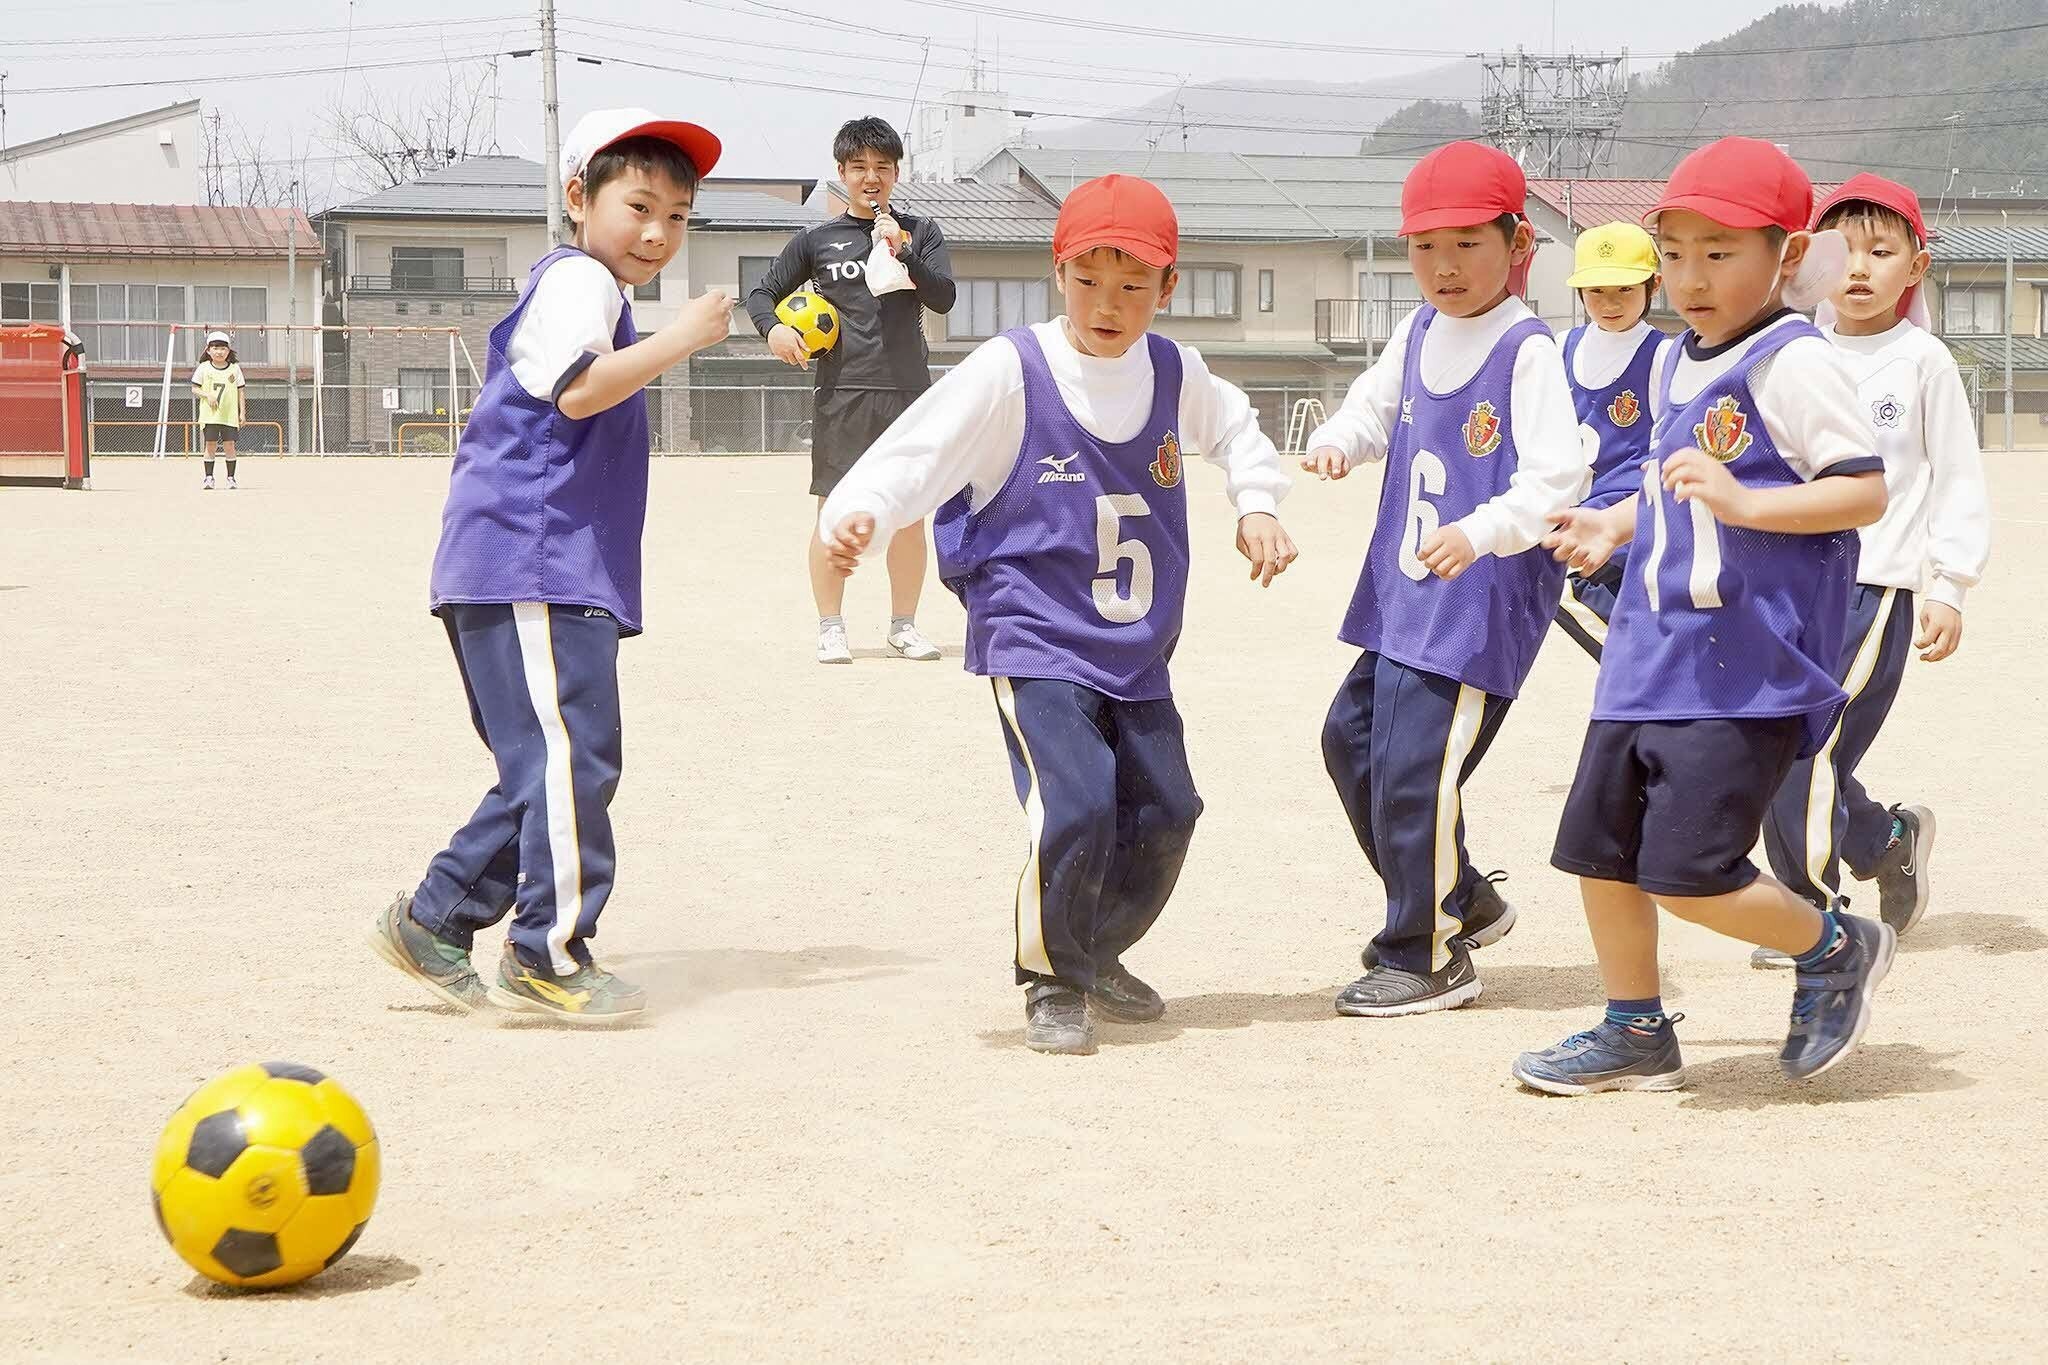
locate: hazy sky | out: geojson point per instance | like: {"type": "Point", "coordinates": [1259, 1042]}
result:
{"type": "Point", "coordinates": [730, 46]}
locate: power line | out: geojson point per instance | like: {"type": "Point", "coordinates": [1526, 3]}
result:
{"type": "Point", "coordinates": [159, 40]}
{"type": "Point", "coordinates": [229, 76]}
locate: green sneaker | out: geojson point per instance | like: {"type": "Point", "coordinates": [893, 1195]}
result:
{"type": "Point", "coordinates": [589, 997]}
{"type": "Point", "coordinates": [417, 951]}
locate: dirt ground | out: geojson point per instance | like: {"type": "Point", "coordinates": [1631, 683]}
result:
{"type": "Point", "coordinates": [234, 732]}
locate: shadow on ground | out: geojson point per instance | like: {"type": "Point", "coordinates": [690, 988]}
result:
{"type": "Point", "coordinates": [1982, 931]}
{"type": "Point", "coordinates": [353, 1275]}
{"type": "Point", "coordinates": [1884, 1071]}
{"type": "Point", "coordinates": [688, 976]}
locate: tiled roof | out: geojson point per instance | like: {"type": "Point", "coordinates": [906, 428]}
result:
{"type": "Point", "coordinates": [1608, 201]}
{"type": "Point", "coordinates": [1957, 245]}
{"type": "Point", "coordinates": [1244, 197]}
{"type": "Point", "coordinates": [986, 215]}
{"type": "Point", "coordinates": [99, 231]}
{"type": "Point", "coordinates": [1988, 353]}
{"type": "Point", "coordinates": [512, 187]}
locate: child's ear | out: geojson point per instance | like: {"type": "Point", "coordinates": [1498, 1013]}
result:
{"type": "Point", "coordinates": [1166, 289]}
{"type": "Point", "coordinates": [1524, 244]}
{"type": "Point", "coordinates": [576, 201]}
{"type": "Point", "coordinates": [1917, 272]}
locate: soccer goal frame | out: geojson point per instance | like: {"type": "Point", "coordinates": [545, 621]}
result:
{"type": "Point", "coordinates": [304, 364]}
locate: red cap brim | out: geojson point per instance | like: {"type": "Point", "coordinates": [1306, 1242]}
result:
{"type": "Point", "coordinates": [1429, 220]}
{"type": "Point", "coordinates": [1146, 252]}
{"type": "Point", "coordinates": [701, 145]}
{"type": "Point", "coordinates": [1723, 211]}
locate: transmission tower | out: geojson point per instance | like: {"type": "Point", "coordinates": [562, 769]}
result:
{"type": "Point", "coordinates": [1557, 116]}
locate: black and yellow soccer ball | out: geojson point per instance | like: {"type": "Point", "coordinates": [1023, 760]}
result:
{"type": "Point", "coordinates": [816, 321]}
{"type": "Point", "coordinates": [266, 1175]}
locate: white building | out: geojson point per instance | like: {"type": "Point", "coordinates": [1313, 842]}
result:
{"type": "Point", "coordinates": [962, 129]}
{"type": "Point", "coordinates": [149, 158]}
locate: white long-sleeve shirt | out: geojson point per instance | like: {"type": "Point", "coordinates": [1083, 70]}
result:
{"type": "Point", "coordinates": [1552, 462]}
{"type": "Point", "coordinates": [1935, 535]}
{"type": "Point", "coordinates": [967, 431]}
{"type": "Point", "coordinates": [1603, 355]}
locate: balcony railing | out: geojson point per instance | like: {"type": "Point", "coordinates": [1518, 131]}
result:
{"type": "Point", "coordinates": [432, 284]}
{"type": "Point", "coordinates": [1353, 324]}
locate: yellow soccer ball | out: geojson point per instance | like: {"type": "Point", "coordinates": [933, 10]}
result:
{"type": "Point", "coordinates": [265, 1175]}
{"type": "Point", "coordinates": [815, 320]}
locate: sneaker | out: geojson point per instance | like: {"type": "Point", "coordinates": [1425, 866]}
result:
{"type": "Point", "coordinates": [1831, 1007]}
{"type": "Point", "coordinates": [1488, 917]}
{"type": "Point", "coordinates": [1118, 995]}
{"type": "Point", "coordinates": [427, 958]}
{"type": "Point", "coordinates": [589, 997]}
{"type": "Point", "coordinates": [1608, 1056]}
{"type": "Point", "coordinates": [911, 644]}
{"type": "Point", "coordinates": [832, 646]}
{"type": "Point", "coordinates": [231, 481]}
{"type": "Point", "coordinates": [1388, 992]}
{"type": "Point", "coordinates": [1902, 881]}
{"type": "Point", "coordinates": [207, 484]}
{"type": "Point", "coordinates": [1056, 1020]}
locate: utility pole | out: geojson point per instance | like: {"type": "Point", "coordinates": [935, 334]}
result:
{"type": "Point", "coordinates": [291, 317]}
{"type": "Point", "coordinates": [2005, 230]}
{"type": "Point", "coordinates": [551, 116]}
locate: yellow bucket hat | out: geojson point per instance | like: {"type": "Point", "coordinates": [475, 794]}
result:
{"type": "Point", "coordinates": [1613, 253]}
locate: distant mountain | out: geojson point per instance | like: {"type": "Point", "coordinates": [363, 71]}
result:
{"type": "Point", "coordinates": [1263, 115]}
{"type": "Point", "coordinates": [1865, 89]}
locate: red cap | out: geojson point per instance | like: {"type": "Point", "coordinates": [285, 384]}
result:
{"type": "Point", "coordinates": [1866, 188]}
{"type": "Point", "coordinates": [1461, 184]}
{"type": "Point", "coordinates": [1740, 182]}
{"type": "Point", "coordinates": [1120, 211]}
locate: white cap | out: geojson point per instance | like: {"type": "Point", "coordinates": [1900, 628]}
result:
{"type": "Point", "coordinates": [221, 337]}
{"type": "Point", "coordinates": [600, 128]}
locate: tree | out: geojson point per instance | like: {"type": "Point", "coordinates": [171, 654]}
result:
{"type": "Point", "coordinates": [381, 142]}
{"type": "Point", "coordinates": [1420, 126]}
{"type": "Point", "coordinates": [239, 168]}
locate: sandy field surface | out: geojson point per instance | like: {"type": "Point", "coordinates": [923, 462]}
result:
{"type": "Point", "coordinates": [234, 731]}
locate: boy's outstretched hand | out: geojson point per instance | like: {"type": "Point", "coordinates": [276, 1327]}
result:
{"type": "Point", "coordinates": [1446, 553]}
{"type": "Point", "coordinates": [1327, 462]}
{"type": "Point", "coordinates": [849, 540]}
{"type": "Point", "coordinates": [1941, 632]}
{"type": "Point", "coordinates": [1262, 540]}
{"type": "Point", "coordinates": [1583, 540]}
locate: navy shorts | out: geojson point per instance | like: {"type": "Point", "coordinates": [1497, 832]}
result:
{"type": "Point", "coordinates": [845, 422]}
{"type": "Point", "coordinates": [1674, 806]}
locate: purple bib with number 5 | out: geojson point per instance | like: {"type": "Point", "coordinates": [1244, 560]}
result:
{"type": "Point", "coordinates": [1449, 453]}
{"type": "Point", "coordinates": [1078, 567]}
{"type": "Point", "coordinates": [1722, 621]}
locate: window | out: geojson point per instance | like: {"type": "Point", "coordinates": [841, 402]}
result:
{"type": "Point", "coordinates": [649, 292]}
{"type": "Point", "coordinates": [1973, 312]}
{"type": "Point", "coordinates": [1389, 295]}
{"type": "Point", "coordinates": [98, 309]}
{"type": "Point", "coordinates": [753, 269]}
{"type": "Point", "coordinates": [1205, 292]}
{"type": "Point", "coordinates": [434, 269]}
{"type": "Point", "coordinates": [28, 303]}
{"type": "Point", "coordinates": [1265, 291]}
{"type": "Point", "coordinates": [423, 391]}
{"type": "Point", "coordinates": [986, 308]}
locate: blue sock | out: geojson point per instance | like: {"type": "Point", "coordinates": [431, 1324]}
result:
{"type": "Point", "coordinates": [1830, 935]}
{"type": "Point", "coordinates": [1645, 1015]}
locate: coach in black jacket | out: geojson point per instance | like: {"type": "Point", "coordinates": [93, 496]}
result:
{"type": "Point", "coordinates": [879, 366]}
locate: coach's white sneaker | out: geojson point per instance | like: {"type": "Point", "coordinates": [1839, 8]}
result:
{"type": "Point", "coordinates": [832, 646]}
{"type": "Point", "coordinates": [911, 644]}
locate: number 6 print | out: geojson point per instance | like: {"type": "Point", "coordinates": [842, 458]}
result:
{"type": "Point", "coordinates": [1425, 475]}
{"type": "Point", "coordinates": [1110, 510]}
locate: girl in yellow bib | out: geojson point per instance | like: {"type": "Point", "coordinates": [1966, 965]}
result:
{"type": "Point", "coordinates": [219, 388]}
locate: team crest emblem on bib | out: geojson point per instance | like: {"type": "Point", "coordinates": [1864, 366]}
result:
{"type": "Point", "coordinates": [1624, 410]}
{"type": "Point", "coordinates": [1166, 465]}
{"type": "Point", "coordinates": [1482, 430]}
{"type": "Point", "coordinates": [1724, 432]}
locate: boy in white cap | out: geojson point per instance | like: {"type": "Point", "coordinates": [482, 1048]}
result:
{"type": "Point", "coordinates": [537, 578]}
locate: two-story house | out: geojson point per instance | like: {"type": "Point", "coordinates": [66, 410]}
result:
{"type": "Point", "coordinates": [451, 250]}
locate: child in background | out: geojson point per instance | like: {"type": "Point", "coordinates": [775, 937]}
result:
{"type": "Point", "coordinates": [1469, 407]}
{"type": "Point", "coordinates": [220, 390]}
{"type": "Point", "coordinates": [1609, 361]}
{"type": "Point", "coordinates": [1057, 450]}
{"type": "Point", "coordinates": [1716, 676]}
{"type": "Point", "coordinates": [1936, 533]}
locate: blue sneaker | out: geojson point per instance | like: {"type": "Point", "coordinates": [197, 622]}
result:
{"type": "Point", "coordinates": [1608, 1056]}
{"type": "Point", "coordinates": [1831, 1007]}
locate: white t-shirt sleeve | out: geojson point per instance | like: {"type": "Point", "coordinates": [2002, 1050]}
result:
{"type": "Point", "coordinates": [570, 320]}
{"type": "Point", "coordinates": [1959, 511]}
{"type": "Point", "coordinates": [963, 432]}
{"type": "Point", "coordinates": [1808, 403]}
{"type": "Point", "coordinates": [1550, 457]}
{"type": "Point", "coordinates": [1218, 419]}
{"type": "Point", "coordinates": [1364, 424]}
